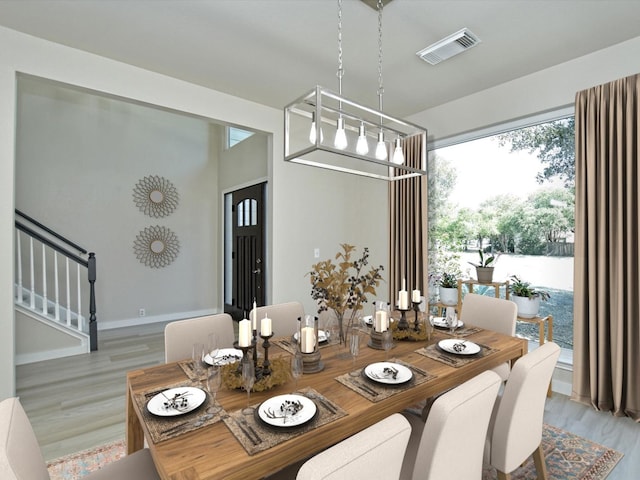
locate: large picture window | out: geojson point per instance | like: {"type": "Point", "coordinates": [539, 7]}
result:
{"type": "Point", "coordinates": [510, 195]}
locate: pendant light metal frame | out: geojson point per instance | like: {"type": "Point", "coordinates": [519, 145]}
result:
{"type": "Point", "coordinates": [328, 106]}
{"type": "Point", "coordinates": [330, 109]}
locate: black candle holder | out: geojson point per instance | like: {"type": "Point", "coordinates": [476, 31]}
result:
{"type": "Point", "coordinates": [403, 324]}
{"type": "Point", "coordinates": [266, 364]}
{"type": "Point", "coordinates": [254, 343]}
{"type": "Point", "coordinates": [416, 322]}
{"type": "Point", "coordinates": [245, 354]}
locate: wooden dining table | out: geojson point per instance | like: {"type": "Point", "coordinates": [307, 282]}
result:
{"type": "Point", "coordinates": [213, 452]}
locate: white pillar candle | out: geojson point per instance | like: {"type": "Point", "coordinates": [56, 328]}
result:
{"type": "Point", "coordinates": [381, 323]}
{"type": "Point", "coordinates": [255, 319]}
{"type": "Point", "coordinates": [404, 285]}
{"type": "Point", "coordinates": [244, 333]}
{"type": "Point", "coordinates": [265, 327]}
{"type": "Point", "coordinates": [307, 342]}
{"type": "Point", "coordinates": [415, 296]}
{"type": "Point", "coordinates": [403, 300]}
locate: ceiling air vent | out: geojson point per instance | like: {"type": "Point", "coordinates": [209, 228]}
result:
{"type": "Point", "coordinates": [448, 47]}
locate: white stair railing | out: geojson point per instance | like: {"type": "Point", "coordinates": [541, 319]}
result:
{"type": "Point", "coordinates": [45, 275]}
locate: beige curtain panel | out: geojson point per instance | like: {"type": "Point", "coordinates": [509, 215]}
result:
{"type": "Point", "coordinates": [606, 367]}
{"type": "Point", "coordinates": [408, 231]}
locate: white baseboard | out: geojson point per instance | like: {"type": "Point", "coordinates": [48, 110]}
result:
{"type": "Point", "coordinates": [168, 317]}
{"type": "Point", "coordinates": [24, 358]}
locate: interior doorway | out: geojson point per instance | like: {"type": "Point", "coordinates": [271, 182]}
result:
{"type": "Point", "coordinates": [244, 269]}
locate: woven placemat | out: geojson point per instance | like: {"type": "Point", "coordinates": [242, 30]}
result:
{"type": "Point", "coordinates": [288, 344]}
{"type": "Point", "coordinates": [255, 436]}
{"type": "Point", "coordinates": [164, 428]}
{"type": "Point", "coordinates": [187, 368]}
{"type": "Point", "coordinates": [434, 352]}
{"type": "Point", "coordinates": [462, 333]}
{"type": "Point", "coordinates": [375, 392]}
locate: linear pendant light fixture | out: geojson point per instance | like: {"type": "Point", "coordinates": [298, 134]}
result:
{"type": "Point", "coordinates": [327, 130]}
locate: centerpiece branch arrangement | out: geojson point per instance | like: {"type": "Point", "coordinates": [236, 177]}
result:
{"type": "Point", "coordinates": [342, 285]}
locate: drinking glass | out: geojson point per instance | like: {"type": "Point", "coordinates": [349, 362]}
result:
{"type": "Point", "coordinates": [214, 346]}
{"type": "Point", "coordinates": [387, 342]}
{"type": "Point", "coordinates": [214, 380]}
{"type": "Point", "coordinates": [297, 367]}
{"type": "Point", "coordinates": [452, 321]}
{"type": "Point", "coordinates": [197, 357]}
{"type": "Point", "coordinates": [354, 346]}
{"type": "Point", "coordinates": [248, 378]}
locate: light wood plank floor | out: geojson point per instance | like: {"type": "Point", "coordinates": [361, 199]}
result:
{"type": "Point", "coordinates": [78, 402]}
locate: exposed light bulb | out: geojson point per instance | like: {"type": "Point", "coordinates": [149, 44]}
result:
{"type": "Point", "coordinates": [362, 147]}
{"type": "Point", "coordinates": [398, 154]}
{"type": "Point", "coordinates": [312, 133]}
{"type": "Point", "coordinates": [381, 147]}
{"type": "Point", "coordinates": [340, 142]}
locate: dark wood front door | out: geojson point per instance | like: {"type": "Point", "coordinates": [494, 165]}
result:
{"type": "Point", "coordinates": [247, 251]}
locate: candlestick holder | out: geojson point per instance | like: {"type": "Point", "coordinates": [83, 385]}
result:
{"type": "Point", "coordinates": [312, 362]}
{"type": "Point", "coordinates": [266, 364]}
{"type": "Point", "coordinates": [416, 322]}
{"type": "Point", "coordinates": [254, 343]}
{"type": "Point", "coordinates": [245, 354]}
{"type": "Point", "coordinates": [403, 324]}
{"type": "Point", "coordinates": [375, 340]}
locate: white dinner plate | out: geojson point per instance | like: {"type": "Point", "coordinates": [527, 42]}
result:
{"type": "Point", "coordinates": [322, 336]}
{"type": "Point", "coordinates": [459, 347]}
{"type": "Point", "coordinates": [169, 404]}
{"type": "Point", "coordinates": [288, 410]}
{"type": "Point", "coordinates": [368, 320]}
{"type": "Point", "coordinates": [382, 372]}
{"type": "Point", "coordinates": [224, 356]}
{"type": "Point", "coordinates": [441, 322]}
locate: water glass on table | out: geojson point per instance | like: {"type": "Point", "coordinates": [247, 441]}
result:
{"type": "Point", "coordinates": [197, 359]}
{"type": "Point", "coordinates": [387, 342]}
{"type": "Point", "coordinates": [354, 346]}
{"type": "Point", "coordinates": [297, 367]}
{"type": "Point", "coordinates": [214, 380]}
{"type": "Point", "coordinates": [248, 379]}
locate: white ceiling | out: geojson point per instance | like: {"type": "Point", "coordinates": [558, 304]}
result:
{"type": "Point", "coordinates": [272, 51]}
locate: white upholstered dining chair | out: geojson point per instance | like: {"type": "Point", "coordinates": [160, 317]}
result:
{"type": "Point", "coordinates": [179, 336]}
{"type": "Point", "coordinates": [375, 452]}
{"type": "Point", "coordinates": [21, 458]}
{"type": "Point", "coordinates": [491, 313]}
{"type": "Point", "coordinates": [515, 431]}
{"type": "Point", "coordinates": [284, 317]}
{"type": "Point", "coordinates": [450, 444]}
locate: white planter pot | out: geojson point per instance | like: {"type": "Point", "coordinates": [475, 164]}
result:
{"type": "Point", "coordinates": [527, 307]}
{"type": "Point", "coordinates": [448, 296]}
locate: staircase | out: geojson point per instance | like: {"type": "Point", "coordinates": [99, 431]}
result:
{"type": "Point", "coordinates": [54, 286]}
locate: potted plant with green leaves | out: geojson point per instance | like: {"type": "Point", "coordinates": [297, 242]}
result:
{"type": "Point", "coordinates": [484, 269]}
{"type": "Point", "coordinates": [447, 287]}
{"type": "Point", "coordinates": [526, 297]}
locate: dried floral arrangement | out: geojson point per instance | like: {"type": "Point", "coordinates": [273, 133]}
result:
{"type": "Point", "coordinates": [280, 374]}
{"type": "Point", "coordinates": [343, 286]}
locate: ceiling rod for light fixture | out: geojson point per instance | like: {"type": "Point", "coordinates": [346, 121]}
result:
{"type": "Point", "coordinates": [340, 140]}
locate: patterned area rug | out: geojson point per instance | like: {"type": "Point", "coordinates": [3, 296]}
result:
{"type": "Point", "coordinates": [568, 456]}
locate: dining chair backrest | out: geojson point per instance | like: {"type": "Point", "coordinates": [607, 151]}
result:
{"type": "Point", "coordinates": [179, 336]}
{"type": "Point", "coordinates": [516, 427]}
{"type": "Point", "coordinates": [375, 452]}
{"type": "Point", "coordinates": [20, 455]}
{"type": "Point", "coordinates": [284, 317]}
{"type": "Point", "coordinates": [491, 313]}
{"type": "Point", "coordinates": [451, 442]}
{"type": "Point", "coordinates": [21, 458]}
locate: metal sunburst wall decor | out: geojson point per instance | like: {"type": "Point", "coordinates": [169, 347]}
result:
{"type": "Point", "coordinates": [155, 196]}
{"type": "Point", "coordinates": [156, 246]}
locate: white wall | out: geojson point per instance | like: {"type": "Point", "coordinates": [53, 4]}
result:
{"type": "Point", "coordinates": [337, 209]}
{"type": "Point", "coordinates": [540, 92]}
